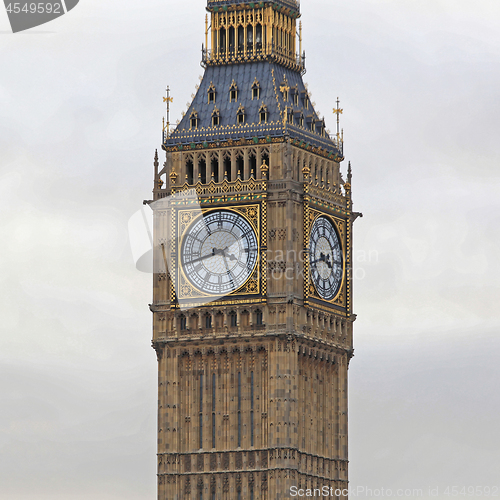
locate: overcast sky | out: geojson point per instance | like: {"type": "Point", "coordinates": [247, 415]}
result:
{"type": "Point", "coordinates": [80, 118]}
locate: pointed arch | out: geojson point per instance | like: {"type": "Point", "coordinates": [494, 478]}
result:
{"type": "Point", "coordinates": [233, 92]}
{"type": "Point", "coordinates": [211, 92]}
{"type": "Point", "coordinates": [193, 119]}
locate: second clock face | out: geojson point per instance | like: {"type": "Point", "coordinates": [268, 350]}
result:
{"type": "Point", "coordinates": [219, 252]}
{"type": "Point", "coordinates": [325, 258]}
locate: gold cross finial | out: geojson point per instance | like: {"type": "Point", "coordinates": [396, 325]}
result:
{"type": "Point", "coordinates": [166, 128]}
{"type": "Point", "coordinates": [338, 111]}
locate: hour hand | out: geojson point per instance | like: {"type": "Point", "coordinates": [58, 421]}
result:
{"type": "Point", "coordinates": [203, 257]}
{"type": "Point", "coordinates": [321, 259]}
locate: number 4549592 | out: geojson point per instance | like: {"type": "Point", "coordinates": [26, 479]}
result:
{"type": "Point", "coordinates": [478, 491]}
{"type": "Point", "coordinates": [34, 8]}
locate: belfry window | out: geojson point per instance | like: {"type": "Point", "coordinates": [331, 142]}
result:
{"type": "Point", "coordinates": [263, 114]}
{"type": "Point", "coordinates": [211, 93]}
{"type": "Point", "coordinates": [249, 38]}
{"type": "Point", "coordinates": [258, 37]}
{"type": "Point", "coordinates": [193, 119]}
{"type": "Point", "coordinates": [233, 92]}
{"type": "Point", "coordinates": [241, 39]}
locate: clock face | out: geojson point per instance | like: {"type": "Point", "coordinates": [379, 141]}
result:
{"type": "Point", "coordinates": [219, 252]}
{"type": "Point", "coordinates": [325, 258]}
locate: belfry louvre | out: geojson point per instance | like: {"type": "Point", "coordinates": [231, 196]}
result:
{"type": "Point", "coordinates": [253, 325]}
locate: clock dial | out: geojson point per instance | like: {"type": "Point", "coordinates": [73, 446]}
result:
{"type": "Point", "coordinates": [325, 258]}
{"type": "Point", "coordinates": [219, 252]}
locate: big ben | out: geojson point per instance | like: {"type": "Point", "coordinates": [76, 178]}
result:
{"type": "Point", "coordinates": [252, 312]}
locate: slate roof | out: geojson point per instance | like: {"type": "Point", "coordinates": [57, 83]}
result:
{"type": "Point", "coordinates": [270, 77]}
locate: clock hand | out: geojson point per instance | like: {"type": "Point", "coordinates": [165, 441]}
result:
{"type": "Point", "coordinates": [203, 257]}
{"type": "Point", "coordinates": [229, 271]}
{"type": "Point", "coordinates": [321, 259]}
{"type": "Point", "coordinates": [327, 261]}
{"type": "Point", "coordinates": [218, 251]}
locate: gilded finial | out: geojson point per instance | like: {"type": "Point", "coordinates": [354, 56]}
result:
{"type": "Point", "coordinates": [338, 111]}
{"type": "Point", "coordinates": [264, 169]}
{"type": "Point", "coordinates": [306, 171]}
{"type": "Point", "coordinates": [167, 100]}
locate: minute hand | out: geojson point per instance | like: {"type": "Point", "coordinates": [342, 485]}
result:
{"type": "Point", "coordinates": [214, 252]}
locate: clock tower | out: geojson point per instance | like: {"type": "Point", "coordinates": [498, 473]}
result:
{"type": "Point", "coordinates": [252, 314]}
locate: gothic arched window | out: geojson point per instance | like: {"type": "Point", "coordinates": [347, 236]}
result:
{"type": "Point", "coordinates": [258, 317]}
{"type": "Point", "coordinates": [182, 322]}
{"type": "Point", "coordinates": [211, 93]}
{"type": "Point", "coordinates": [263, 114]}
{"type": "Point", "coordinates": [233, 318]}
{"type": "Point", "coordinates": [255, 89]}
{"type": "Point", "coordinates": [193, 119]}
{"type": "Point", "coordinates": [240, 115]}
{"type": "Point", "coordinates": [215, 117]}
{"type": "Point", "coordinates": [233, 92]}
{"type": "Point", "coordinates": [208, 320]}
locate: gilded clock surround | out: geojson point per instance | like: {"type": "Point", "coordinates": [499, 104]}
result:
{"type": "Point", "coordinates": [341, 226]}
{"type": "Point", "coordinates": [252, 387]}
{"type": "Point", "coordinates": [185, 218]}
